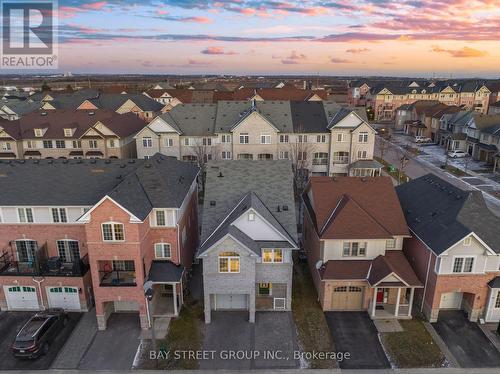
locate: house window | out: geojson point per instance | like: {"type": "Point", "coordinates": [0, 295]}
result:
{"type": "Point", "coordinates": [77, 144]}
{"type": "Point", "coordinates": [59, 215]}
{"type": "Point", "coordinates": [147, 142]}
{"type": "Point", "coordinates": [164, 218]}
{"type": "Point", "coordinates": [320, 158]}
{"type": "Point", "coordinates": [6, 146]}
{"type": "Point", "coordinates": [112, 143]}
{"type": "Point", "coordinates": [207, 141]}
{"type": "Point", "coordinates": [301, 156]}
{"type": "Point", "coordinates": [169, 142]}
{"type": "Point", "coordinates": [467, 241]}
{"type": "Point", "coordinates": [68, 250]}
{"type": "Point", "coordinates": [226, 138]}
{"type": "Point", "coordinates": [245, 156]}
{"type": "Point", "coordinates": [47, 144]}
{"type": "Point", "coordinates": [497, 301]}
{"type": "Point", "coordinates": [283, 138]}
{"type": "Point", "coordinates": [229, 262]}
{"type": "Point", "coordinates": [354, 249]}
{"type": "Point", "coordinates": [251, 216]}
{"type": "Point", "coordinates": [123, 265]}
{"type": "Point", "coordinates": [340, 137]}
{"type": "Point", "coordinates": [265, 289]}
{"type": "Point", "coordinates": [363, 137]}
{"type": "Point", "coordinates": [272, 255]}
{"type": "Point", "coordinates": [38, 133]}
{"type": "Point", "coordinates": [361, 154]}
{"type": "Point", "coordinates": [163, 250]}
{"type": "Point", "coordinates": [93, 144]}
{"type": "Point", "coordinates": [226, 155]}
{"type": "Point", "coordinates": [25, 215]}
{"type": "Point", "coordinates": [390, 243]}
{"type": "Point", "coordinates": [302, 138]}
{"type": "Point", "coordinates": [60, 144]}
{"type": "Point", "coordinates": [463, 264]}
{"type": "Point", "coordinates": [160, 218]}
{"type": "Point", "coordinates": [265, 139]}
{"type": "Point", "coordinates": [321, 139]}
{"type": "Point", "coordinates": [68, 132]}
{"type": "Point", "coordinates": [244, 138]}
{"type": "Point", "coordinates": [30, 144]}
{"type": "Point", "coordinates": [112, 232]}
{"type": "Point", "coordinates": [26, 250]}
{"type": "Point", "coordinates": [283, 155]}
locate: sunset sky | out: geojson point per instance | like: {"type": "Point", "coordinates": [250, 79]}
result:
{"type": "Point", "coordinates": [378, 37]}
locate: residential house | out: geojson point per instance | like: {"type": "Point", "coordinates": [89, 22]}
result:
{"type": "Point", "coordinates": [494, 108]}
{"type": "Point", "coordinates": [319, 136]}
{"type": "Point", "coordinates": [353, 237]}
{"type": "Point", "coordinates": [480, 143]}
{"type": "Point", "coordinates": [249, 232]}
{"type": "Point", "coordinates": [454, 248]}
{"type": "Point", "coordinates": [452, 127]}
{"type": "Point", "coordinates": [70, 134]}
{"type": "Point", "coordinates": [14, 109]}
{"type": "Point", "coordinates": [79, 232]}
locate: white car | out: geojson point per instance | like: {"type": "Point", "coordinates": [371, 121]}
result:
{"type": "Point", "coordinates": [457, 154]}
{"type": "Point", "coordinates": [422, 139]}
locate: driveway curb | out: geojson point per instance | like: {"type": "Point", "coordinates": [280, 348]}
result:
{"type": "Point", "coordinates": [441, 344]}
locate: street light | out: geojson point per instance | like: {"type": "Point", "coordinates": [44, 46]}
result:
{"type": "Point", "coordinates": [148, 294]}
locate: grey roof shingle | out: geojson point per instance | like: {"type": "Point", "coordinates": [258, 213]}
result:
{"type": "Point", "coordinates": [262, 185]}
{"type": "Point", "coordinates": [165, 271]}
{"type": "Point", "coordinates": [137, 185]}
{"type": "Point", "coordinates": [442, 214]}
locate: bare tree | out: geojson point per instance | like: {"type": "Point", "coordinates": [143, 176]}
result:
{"type": "Point", "coordinates": [403, 157]}
{"type": "Point", "coordinates": [204, 151]}
{"type": "Point", "coordinates": [300, 152]}
{"type": "Point", "coordinates": [382, 145]}
{"type": "Point", "coordinates": [465, 162]}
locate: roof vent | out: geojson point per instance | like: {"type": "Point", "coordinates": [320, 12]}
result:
{"type": "Point", "coordinates": [285, 208]}
{"type": "Point", "coordinates": [147, 166]}
{"type": "Point", "coordinates": [278, 209]}
{"type": "Point", "coordinates": [91, 113]}
{"type": "Point", "coordinates": [212, 203]}
{"type": "Point", "coordinates": [131, 161]}
{"type": "Point", "coordinates": [43, 113]}
{"type": "Point", "coordinates": [220, 175]}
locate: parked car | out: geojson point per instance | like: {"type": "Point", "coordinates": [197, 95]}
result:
{"type": "Point", "coordinates": [422, 139]}
{"type": "Point", "coordinates": [457, 154]}
{"type": "Point", "coordinates": [36, 336]}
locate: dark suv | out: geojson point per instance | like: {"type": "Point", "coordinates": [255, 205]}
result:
{"type": "Point", "coordinates": [38, 333]}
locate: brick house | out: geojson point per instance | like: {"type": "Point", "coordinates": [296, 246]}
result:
{"type": "Point", "coordinates": [353, 237]}
{"type": "Point", "coordinates": [249, 232]}
{"type": "Point", "coordinates": [454, 248]}
{"type": "Point", "coordinates": [105, 228]}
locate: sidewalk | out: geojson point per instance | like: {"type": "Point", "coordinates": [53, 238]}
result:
{"type": "Point", "coordinates": [76, 346]}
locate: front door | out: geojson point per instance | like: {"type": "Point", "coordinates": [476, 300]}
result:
{"type": "Point", "coordinates": [381, 295]}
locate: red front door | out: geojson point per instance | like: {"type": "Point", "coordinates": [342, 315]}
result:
{"type": "Point", "coordinates": [380, 296]}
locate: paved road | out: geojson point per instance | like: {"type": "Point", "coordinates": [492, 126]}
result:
{"type": "Point", "coordinates": [416, 168]}
{"type": "Point", "coordinates": [354, 332]}
{"type": "Point", "coordinates": [466, 341]}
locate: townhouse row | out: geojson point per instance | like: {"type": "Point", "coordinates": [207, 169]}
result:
{"type": "Point", "coordinates": [320, 137]}
{"type": "Point", "coordinates": [76, 233]}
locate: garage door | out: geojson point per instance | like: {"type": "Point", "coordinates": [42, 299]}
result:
{"type": "Point", "coordinates": [63, 297]}
{"type": "Point", "coordinates": [347, 298]}
{"type": "Point", "coordinates": [231, 301]}
{"type": "Point", "coordinates": [21, 298]}
{"type": "Point", "coordinates": [451, 300]}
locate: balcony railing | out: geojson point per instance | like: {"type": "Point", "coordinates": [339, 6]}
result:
{"type": "Point", "coordinates": [41, 264]}
{"type": "Point", "coordinates": [117, 278]}
{"type": "Point", "coordinates": [340, 159]}
{"type": "Point", "coordinates": [320, 161]}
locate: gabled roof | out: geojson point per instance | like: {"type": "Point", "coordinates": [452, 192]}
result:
{"type": "Point", "coordinates": [441, 214]}
{"type": "Point", "coordinates": [234, 187]}
{"type": "Point", "coordinates": [393, 263]}
{"type": "Point", "coordinates": [351, 207]}
{"type": "Point", "coordinates": [137, 185]}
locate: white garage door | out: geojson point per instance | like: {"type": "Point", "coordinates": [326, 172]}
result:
{"type": "Point", "coordinates": [451, 300]}
{"type": "Point", "coordinates": [21, 298]}
{"type": "Point", "coordinates": [231, 301]}
{"type": "Point", "coordinates": [64, 297]}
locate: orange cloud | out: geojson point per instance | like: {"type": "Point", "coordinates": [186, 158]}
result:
{"type": "Point", "coordinates": [463, 52]}
{"type": "Point", "coordinates": [197, 19]}
{"type": "Point", "coordinates": [357, 50]}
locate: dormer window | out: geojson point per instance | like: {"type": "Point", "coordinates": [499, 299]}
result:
{"type": "Point", "coordinates": [38, 133]}
{"type": "Point", "coordinates": [390, 244]}
{"type": "Point", "coordinates": [251, 216]}
{"type": "Point", "coordinates": [68, 133]}
{"type": "Point", "coordinates": [164, 218]}
{"type": "Point", "coordinates": [467, 241]}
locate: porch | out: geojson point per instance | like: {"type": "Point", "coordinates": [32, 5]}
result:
{"type": "Point", "coordinates": [392, 302]}
{"type": "Point", "coordinates": [166, 300]}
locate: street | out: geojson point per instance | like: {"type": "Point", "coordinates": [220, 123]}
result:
{"type": "Point", "coordinates": [419, 166]}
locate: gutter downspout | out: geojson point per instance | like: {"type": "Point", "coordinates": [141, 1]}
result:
{"type": "Point", "coordinates": [426, 280]}
{"type": "Point", "coordinates": [350, 155]}
{"type": "Point", "coordinates": [39, 283]}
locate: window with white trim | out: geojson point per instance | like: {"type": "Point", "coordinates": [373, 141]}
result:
{"type": "Point", "coordinates": [321, 139]}
{"type": "Point", "coordinates": [244, 138]}
{"type": "Point", "coordinates": [113, 232]}
{"type": "Point", "coordinates": [112, 143]}
{"type": "Point", "coordinates": [229, 262]}
{"type": "Point", "coordinates": [283, 155]}
{"type": "Point", "coordinates": [225, 138]}
{"type": "Point", "coordinates": [265, 138]}
{"type": "Point", "coordinates": [77, 144]}
{"type": "Point", "coordinates": [68, 250]}
{"type": "Point", "coordinates": [463, 264]}
{"type": "Point", "coordinates": [497, 301]}
{"type": "Point", "coordinates": [147, 142]}
{"type": "Point", "coordinates": [467, 241]}
{"type": "Point", "coordinates": [302, 138]}
{"type": "Point", "coordinates": [390, 243]}
{"type": "Point", "coordinates": [30, 144]}
{"type": "Point", "coordinates": [38, 133]}
{"type": "Point", "coordinates": [169, 142]}
{"type": "Point", "coordinates": [163, 251]}
{"type": "Point", "coordinates": [362, 154]}
{"type": "Point", "coordinates": [59, 215]}
{"type": "Point", "coordinates": [47, 144]}
{"type": "Point", "coordinates": [26, 250]}
{"type": "Point", "coordinates": [93, 144]}
{"type": "Point", "coordinates": [164, 218]}
{"type": "Point", "coordinates": [226, 155]}
{"type": "Point", "coordinates": [274, 256]}
{"type": "Point", "coordinates": [68, 133]}
{"type": "Point", "coordinates": [341, 137]}
{"type": "Point", "coordinates": [284, 138]}
{"type": "Point", "coordinates": [354, 249]}
{"type": "Point", "coordinates": [363, 137]}
{"type": "Point", "coordinates": [25, 215]}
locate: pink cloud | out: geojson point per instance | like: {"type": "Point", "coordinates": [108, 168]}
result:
{"type": "Point", "coordinates": [197, 19]}
{"type": "Point", "coordinates": [95, 6]}
{"type": "Point", "coordinates": [340, 61]}
{"type": "Point", "coordinates": [464, 52]}
{"type": "Point", "coordinates": [357, 50]}
{"type": "Point", "coordinates": [217, 51]}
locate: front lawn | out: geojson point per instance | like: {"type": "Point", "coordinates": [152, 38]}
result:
{"type": "Point", "coordinates": [313, 332]}
{"type": "Point", "coordinates": [413, 347]}
{"type": "Point", "coordinates": [184, 334]}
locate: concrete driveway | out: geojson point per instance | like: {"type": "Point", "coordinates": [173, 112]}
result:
{"type": "Point", "coordinates": [231, 332]}
{"type": "Point", "coordinates": [115, 347]}
{"type": "Point", "coordinates": [465, 340]}
{"type": "Point", "coordinates": [354, 332]}
{"type": "Point", "coordinates": [10, 323]}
